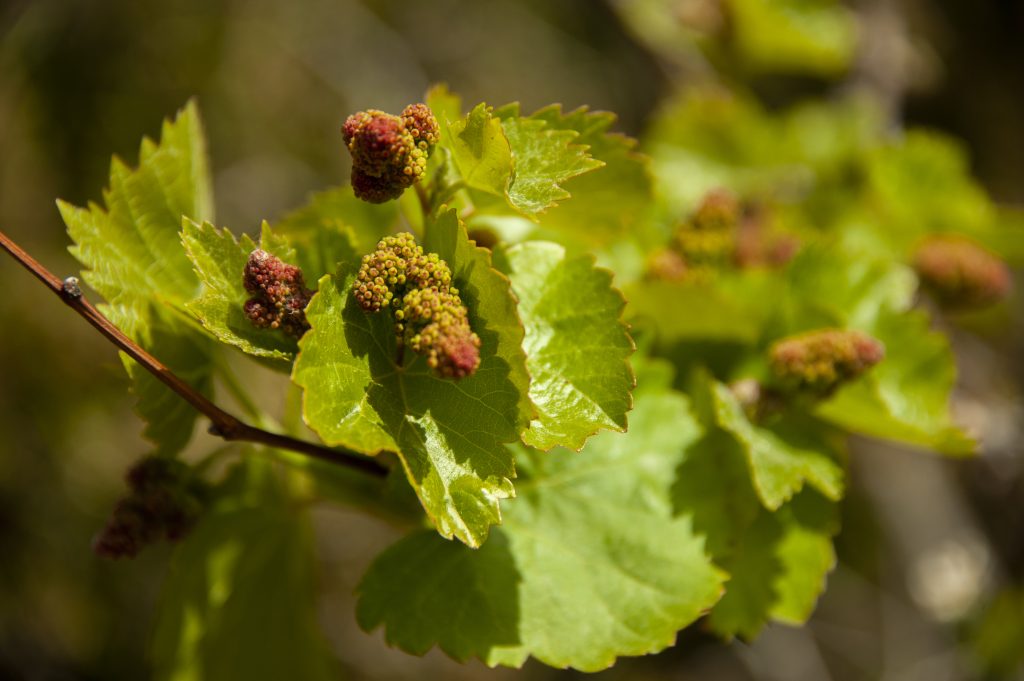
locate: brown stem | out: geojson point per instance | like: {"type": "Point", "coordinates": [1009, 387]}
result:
{"type": "Point", "coordinates": [223, 424]}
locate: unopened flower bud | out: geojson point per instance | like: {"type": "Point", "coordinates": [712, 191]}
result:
{"type": "Point", "coordinates": [389, 153]}
{"type": "Point", "coordinates": [279, 294]}
{"type": "Point", "coordinates": [960, 273]}
{"type": "Point", "coordinates": [420, 122]}
{"type": "Point", "coordinates": [816, 363]}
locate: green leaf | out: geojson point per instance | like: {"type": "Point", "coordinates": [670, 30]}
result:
{"type": "Point", "coordinates": [334, 369]}
{"type": "Point", "coordinates": [783, 454]}
{"type": "Point", "coordinates": [238, 602]}
{"type": "Point", "coordinates": [681, 311]}
{"type": "Point", "coordinates": [852, 288]}
{"type": "Point", "coordinates": [611, 201]}
{"type": "Point", "coordinates": [480, 152]}
{"type": "Point", "coordinates": [133, 258]}
{"type": "Point", "coordinates": [576, 346]}
{"type": "Point", "coordinates": [543, 156]}
{"type": "Point", "coordinates": [779, 567]}
{"type": "Point", "coordinates": [777, 560]}
{"type": "Point", "coordinates": [906, 396]}
{"type": "Point", "coordinates": [448, 434]}
{"type": "Point", "coordinates": [333, 227]}
{"type": "Point", "coordinates": [589, 564]}
{"type": "Point", "coordinates": [131, 248]}
{"type": "Point", "coordinates": [219, 261]}
{"type": "Point", "coordinates": [804, 36]}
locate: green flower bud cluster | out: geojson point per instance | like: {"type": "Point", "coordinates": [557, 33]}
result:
{"type": "Point", "coordinates": [816, 363]}
{"type": "Point", "coordinates": [708, 238]}
{"type": "Point", "coordinates": [389, 153]}
{"type": "Point", "coordinates": [162, 502]}
{"type": "Point", "coordinates": [960, 273]}
{"type": "Point", "coordinates": [279, 294]}
{"type": "Point", "coordinates": [430, 317]}
{"type": "Point", "coordinates": [720, 233]}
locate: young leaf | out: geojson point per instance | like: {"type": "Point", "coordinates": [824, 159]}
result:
{"type": "Point", "coordinates": [238, 601]}
{"type": "Point", "coordinates": [543, 156]}
{"type": "Point", "coordinates": [480, 152]}
{"type": "Point", "coordinates": [611, 201]}
{"type": "Point", "coordinates": [219, 261]}
{"type": "Point", "coordinates": [333, 227]}
{"type": "Point", "coordinates": [783, 455]}
{"type": "Point", "coordinates": [906, 397]}
{"type": "Point", "coordinates": [777, 560]}
{"type": "Point", "coordinates": [133, 258]}
{"type": "Point", "coordinates": [448, 434]}
{"type": "Point", "coordinates": [589, 564]}
{"type": "Point", "coordinates": [576, 346]}
{"type": "Point", "coordinates": [779, 567]}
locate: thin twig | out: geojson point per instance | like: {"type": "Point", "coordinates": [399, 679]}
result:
{"type": "Point", "coordinates": [224, 424]}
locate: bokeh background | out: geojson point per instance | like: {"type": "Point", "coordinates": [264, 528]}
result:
{"type": "Point", "coordinates": [930, 583]}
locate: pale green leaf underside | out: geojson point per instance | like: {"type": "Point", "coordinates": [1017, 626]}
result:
{"type": "Point", "coordinates": [133, 258]}
{"type": "Point", "coordinates": [219, 261]}
{"type": "Point", "coordinates": [782, 456]}
{"type": "Point", "coordinates": [576, 346]}
{"type": "Point", "coordinates": [238, 601]}
{"type": "Point", "coordinates": [448, 434]}
{"type": "Point", "coordinates": [589, 564]}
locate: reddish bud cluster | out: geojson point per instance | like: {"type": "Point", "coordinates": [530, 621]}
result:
{"type": "Point", "coordinates": [429, 314]}
{"type": "Point", "coordinates": [161, 502]}
{"type": "Point", "coordinates": [279, 294]}
{"type": "Point", "coordinates": [389, 153]}
{"type": "Point", "coordinates": [960, 273]}
{"type": "Point", "coordinates": [818, 362]}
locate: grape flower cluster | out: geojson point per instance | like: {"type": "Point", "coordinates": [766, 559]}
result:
{"type": "Point", "coordinates": [816, 363]}
{"type": "Point", "coordinates": [429, 315]}
{"type": "Point", "coordinates": [389, 153]}
{"type": "Point", "coordinates": [279, 294]}
{"type": "Point", "coordinates": [718, 234]}
{"type": "Point", "coordinates": [960, 273]}
{"type": "Point", "coordinates": [162, 501]}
